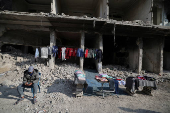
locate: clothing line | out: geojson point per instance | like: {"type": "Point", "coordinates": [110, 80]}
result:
{"type": "Point", "coordinates": [67, 52]}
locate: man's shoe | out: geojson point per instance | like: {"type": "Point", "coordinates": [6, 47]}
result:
{"type": "Point", "coordinates": [19, 100]}
{"type": "Point", "coordinates": [34, 100]}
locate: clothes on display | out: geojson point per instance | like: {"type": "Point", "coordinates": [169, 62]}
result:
{"type": "Point", "coordinates": [80, 52]}
{"type": "Point", "coordinates": [36, 53]}
{"type": "Point", "coordinates": [67, 53]}
{"type": "Point", "coordinates": [133, 83]}
{"type": "Point", "coordinates": [54, 51]}
{"type": "Point", "coordinates": [90, 53]}
{"type": "Point", "coordinates": [59, 52]}
{"type": "Point", "coordinates": [116, 86]}
{"type": "Point", "coordinates": [79, 77]}
{"type": "Point", "coordinates": [121, 82]}
{"type": "Point", "coordinates": [63, 49]}
{"type": "Point", "coordinates": [74, 52]}
{"type": "Point", "coordinates": [86, 53]}
{"type": "Point", "coordinates": [44, 52]}
{"type": "Point", "coordinates": [99, 55]}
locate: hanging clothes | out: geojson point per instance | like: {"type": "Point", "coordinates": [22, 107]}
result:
{"type": "Point", "coordinates": [59, 52]}
{"type": "Point", "coordinates": [44, 52]}
{"type": "Point", "coordinates": [95, 53]}
{"type": "Point", "coordinates": [70, 52]}
{"type": "Point", "coordinates": [90, 53]}
{"type": "Point", "coordinates": [67, 53]}
{"type": "Point", "coordinates": [54, 51]}
{"type": "Point", "coordinates": [36, 53]}
{"type": "Point", "coordinates": [63, 49]}
{"type": "Point", "coordinates": [86, 53]}
{"type": "Point", "coordinates": [80, 52]}
{"type": "Point", "coordinates": [99, 55]}
{"type": "Point", "coordinates": [74, 52]}
{"type": "Point", "coordinates": [49, 50]}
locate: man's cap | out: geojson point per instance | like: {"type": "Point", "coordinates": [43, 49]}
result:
{"type": "Point", "coordinates": [30, 69]}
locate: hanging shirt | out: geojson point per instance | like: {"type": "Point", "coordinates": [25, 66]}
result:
{"type": "Point", "coordinates": [36, 53]}
{"type": "Point", "coordinates": [95, 53]}
{"type": "Point", "coordinates": [99, 55]}
{"type": "Point", "coordinates": [59, 52]}
{"type": "Point", "coordinates": [67, 53]}
{"type": "Point", "coordinates": [86, 53]}
{"type": "Point", "coordinates": [80, 52]}
{"type": "Point", "coordinates": [49, 50]}
{"type": "Point", "coordinates": [63, 53]}
{"type": "Point", "coordinates": [70, 52]}
{"type": "Point", "coordinates": [74, 52]}
{"type": "Point", "coordinates": [44, 52]}
{"type": "Point", "coordinates": [90, 53]}
{"type": "Point", "coordinates": [54, 51]}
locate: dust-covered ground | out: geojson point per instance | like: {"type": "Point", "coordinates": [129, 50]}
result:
{"type": "Point", "coordinates": [57, 90]}
{"type": "Point", "coordinates": [60, 99]}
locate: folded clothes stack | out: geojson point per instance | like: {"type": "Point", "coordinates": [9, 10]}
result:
{"type": "Point", "coordinates": [103, 79]}
{"type": "Point", "coordinates": [80, 77]}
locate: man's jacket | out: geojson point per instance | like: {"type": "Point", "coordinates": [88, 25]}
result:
{"type": "Point", "coordinates": [34, 78]}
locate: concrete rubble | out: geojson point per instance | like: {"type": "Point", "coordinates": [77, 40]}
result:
{"type": "Point", "coordinates": [59, 80]}
{"type": "Point", "coordinates": [63, 72]}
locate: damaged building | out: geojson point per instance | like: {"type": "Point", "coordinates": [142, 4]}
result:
{"type": "Point", "coordinates": [131, 33]}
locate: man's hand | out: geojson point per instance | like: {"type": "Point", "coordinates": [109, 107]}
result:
{"type": "Point", "coordinates": [28, 84]}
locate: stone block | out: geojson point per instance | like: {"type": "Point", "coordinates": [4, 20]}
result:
{"type": "Point", "coordinates": [4, 67]}
{"type": "Point", "coordinates": [19, 59]}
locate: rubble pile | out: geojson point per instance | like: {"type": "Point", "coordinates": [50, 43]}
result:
{"type": "Point", "coordinates": [14, 63]}
{"type": "Point", "coordinates": [20, 62]}
{"type": "Point", "coordinates": [122, 72]}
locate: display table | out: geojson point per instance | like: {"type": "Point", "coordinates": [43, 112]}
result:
{"type": "Point", "coordinates": [133, 83]}
{"type": "Point", "coordinates": [104, 91]}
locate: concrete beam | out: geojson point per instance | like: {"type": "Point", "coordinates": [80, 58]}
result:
{"type": "Point", "coordinates": [52, 43]}
{"type": "Point", "coordinates": [82, 40]}
{"type": "Point", "coordinates": [140, 54]}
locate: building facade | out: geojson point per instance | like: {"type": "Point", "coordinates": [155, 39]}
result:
{"type": "Point", "coordinates": [133, 33]}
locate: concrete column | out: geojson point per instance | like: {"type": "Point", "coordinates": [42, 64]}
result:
{"type": "Point", "coordinates": [163, 14]}
{"type": "Point", "coordinates": [140, 54]}
{"type": "Point", "coordinates": [99, 66]}
{"type": "Point", "coordinates": [161, 47]}
{"type": "Point", "coordinates": [53, 6]}
{"type": "Point", "coordinates": [107, 9]}
{"type": "Point", "coordinates": [82, 40]}
{"type": "Point", "coordinates": [52, 43]}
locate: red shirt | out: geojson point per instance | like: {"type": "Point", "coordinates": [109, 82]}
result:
{"type": "Point", "coordinates": [67, 53]}
{"type": "Point", "coordinates": [86, 53]}
{"type": "Point", "coordinates": [74, 52]}
{"type": "Point", "coordinates": [59, 52]}
{"type": "Point", "coordinates": [70, 52]}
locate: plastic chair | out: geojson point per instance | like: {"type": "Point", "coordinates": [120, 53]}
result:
{"type": "Point", "coordinates": [32, 86]}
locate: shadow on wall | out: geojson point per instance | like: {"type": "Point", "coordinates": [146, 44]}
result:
{"type": "Point", "coordinates": [137, 110]}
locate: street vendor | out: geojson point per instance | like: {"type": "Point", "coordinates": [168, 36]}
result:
{"type": "Point", "coordinates": [30, 79]}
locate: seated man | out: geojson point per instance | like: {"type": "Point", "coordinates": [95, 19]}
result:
{"type": "Point", "coordinates": [31, 78]}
